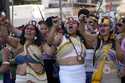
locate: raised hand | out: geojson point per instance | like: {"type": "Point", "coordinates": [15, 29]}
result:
{"type": "Point", "coordinates": [82, 18]}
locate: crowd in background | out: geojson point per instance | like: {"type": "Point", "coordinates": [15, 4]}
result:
{"type": "Point", "coordinates": [68, 51]}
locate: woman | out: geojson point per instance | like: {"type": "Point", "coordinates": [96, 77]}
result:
{"type": "Point", "coordinates": [44, 29]}
{"type": "Point", "coordinates": [70, 54]}
{"type": "Point", "coordinates": [29, 66]}
{"type": "Point", "coordinates": [121, 38]}
{"type": "Point", "coordinates": [51, 67]}
{"type": "Point", "coordinates": [92, 26]}
{"type": "Point", "coordinates": [107, 37]}
{"type": "Point", "coordinates": [4, 56]}
{"type": "Point", "coordinates": [120, 29]}
{"type": "Point", "coordinates": [106, 54]}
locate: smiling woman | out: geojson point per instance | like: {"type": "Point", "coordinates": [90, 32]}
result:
{"type": "Point", "coordinates": [32, 70]}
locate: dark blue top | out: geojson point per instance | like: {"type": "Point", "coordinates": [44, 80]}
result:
{"type": "Point", "coordinates": [25, 59]}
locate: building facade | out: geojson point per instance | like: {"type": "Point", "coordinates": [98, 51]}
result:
{"type": "Point", "coordinates": [121, 7]}
{"type": "Point", "coordinates": [111, 5]}
{"type": "Point", "coordinates": [88, 4]}
{"type": "Point", "coordinates": [67, 3]}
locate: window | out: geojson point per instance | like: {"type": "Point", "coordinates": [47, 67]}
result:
{"type": "Point", "coordinates": [82, 1]}
{"type": "Point", "coordinates": [20, 2]}
{"type": "Point", "coordinates": [94, 1]}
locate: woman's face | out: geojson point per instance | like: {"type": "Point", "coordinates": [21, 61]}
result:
{"type": "Point", "coordinates": [104, 29]}
{"type": "Point", "coordinates": [120, 27]}
{"type": "Point", "coordinates": [30, 32]}
{"type": "Point", "coordinates": [43, 29]}
{"type": "Point", "coordinates": [2, 19]}
{"type": "Point", "coordinates": [72, 27]}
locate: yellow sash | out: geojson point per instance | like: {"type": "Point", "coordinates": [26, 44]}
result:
{"type": "Point", "coordinates": [39, 76]}
{"type": "Point", "coordinates": [98, 73]}
{"type": "Point", "coordinates": [35, 53]}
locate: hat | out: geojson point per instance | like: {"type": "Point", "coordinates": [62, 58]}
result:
{"type": "Point", "coordinates": [49, 22]}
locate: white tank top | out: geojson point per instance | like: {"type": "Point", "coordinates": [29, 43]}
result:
{"type": "Point", "coordinates": [66, 49]}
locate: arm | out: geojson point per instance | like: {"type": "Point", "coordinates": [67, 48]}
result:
{"type": "Point", "coordinates": [13, 42]}
{"type": "Point", "coordinates": [5, 64]}
{"type": "Point", "coordinates": [123, 45]}
{"type": "Point", "coordinates": [89, 38]}
{"type": "Point", "coordinates": [13, 29]}
{"type": "Point", "coordinates": [51, 35]}
{"type": "Point", "coordinates": [51, 49]}
{"type": "Point", "coordinates": [53, 30]}
{"type": "Point", "coordinates": [120, 57]}
{"type": "Point", "coordinates": [119, 52]}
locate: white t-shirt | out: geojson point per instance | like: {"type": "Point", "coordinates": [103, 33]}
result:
{"type": "Point", "coordinates": [89, 60]}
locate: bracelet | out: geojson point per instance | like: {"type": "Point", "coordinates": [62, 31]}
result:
{"type": "Point", "coordinates": [6, 62]}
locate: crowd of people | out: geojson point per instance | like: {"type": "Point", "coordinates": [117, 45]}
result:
{"type": "Point", "coordinates": [68, 51]}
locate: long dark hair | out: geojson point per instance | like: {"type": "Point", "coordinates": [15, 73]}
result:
{"type": "Point", "coordinates": [38, 41]}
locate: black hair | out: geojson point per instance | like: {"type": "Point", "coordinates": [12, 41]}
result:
{"type": "Point", "coordinates": [39, 36]}
{"type": "Point", "coordinates": [20, 27]}
{"type": "Point", "coordinates": [40, 22]}
{"type": "Point", "coordinates": [43, 22]}
{"type": "Point", "coordinates": [110, 22]}
{"type": "Point", "coordinates": [83, 11]}
{"type": "Point", "coordinates": [49, 22]}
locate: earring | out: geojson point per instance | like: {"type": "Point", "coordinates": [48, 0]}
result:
{"type": "Point", "coordinates": [35, 38]}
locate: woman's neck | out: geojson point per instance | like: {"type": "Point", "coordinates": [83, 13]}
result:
{"type": "Point", "coordinates": [73, 35]}
{"type": "Point", "coordinates": [122, 34]}
{"type": "Point", "coordinates": [106, 37]}
{"type": "Point", "coordinates": [29, 42]}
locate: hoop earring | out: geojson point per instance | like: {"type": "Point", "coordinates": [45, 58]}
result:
{"type": "Point", "coordinates": [35, 38]}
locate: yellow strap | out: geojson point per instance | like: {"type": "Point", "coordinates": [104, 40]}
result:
{"type": "Point", "coordinates": [39, 76]}
{"type": "Point", "coordinates": [66, 43]}
{"type": "Point", "coordinates": [97, 75]}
